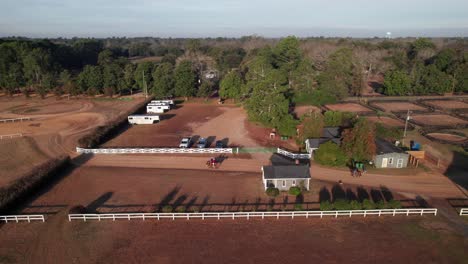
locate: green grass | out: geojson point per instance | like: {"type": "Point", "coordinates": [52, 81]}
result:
{"type": "Point", "coordinates": [255, 150]}
{"type": "Point", "coordinates": [113, 99]}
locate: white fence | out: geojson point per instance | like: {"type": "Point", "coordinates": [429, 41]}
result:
{"type": "Point", "coordinates": [294, 155]}
{"type": "Point", "coordinates": [20, 119]}
{"type": "Point", "coordinates": [464, 211]}
{"type": "Point", "coordinates": [11, 136]}
{"type": "Point", "coordinates": [18, 218]}
{"type": "Point", "coordinates": [153, 150]}
{"type": "Point", "coordinates": [248, 215]}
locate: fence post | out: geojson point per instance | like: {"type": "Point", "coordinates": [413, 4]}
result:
{"type": "Point", "coordinates": [292, 215]}
{"type": "Point", "coordinates": [422, 211]}
{"type": "Point", "coordinates": [336, 214]}
{"type": "Point", "coordinates": [394, 211]}
{"type": "Point", "coordinates": [128, 217]}
{"type": "Point", "coordinates": [218, 216]}
{"type": "Point", "coordinates": [113, 217]}
{"type": "Point", "coordinates": [143, 217]}
{"type": "Point", "coordinates": [43, 219]}
{"type": "Point", "coordinates": [307, 214]}
{"type": "Point", "coordinates": [321, 214]}
{"type": "Point", "coordinates": [248, 215]}
{"type": "Point", "coordinates": [365, 213]}
{"type": "Point", "coordinates": [203, 216]}
{"type": "Point", "coordinates": [16, 218]}
{"type": "Point", "coordinates": [263, 215]}
{"type": "Point", "coordinates": [407, 212]}
{"type": "Point", "coordinates": [188, 216]}
{"type": "Point", "coordinates": [173, 217]}
{"type": "Point", "coordinates": [380, 212]}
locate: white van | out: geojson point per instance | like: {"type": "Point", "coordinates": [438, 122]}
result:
{"type": "Point", "coordinates": [171, 102]}
{"type": "Point", "coordinates": [143, 119]}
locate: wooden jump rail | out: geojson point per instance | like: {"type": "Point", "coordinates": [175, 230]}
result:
{"type": "Point", "coordinates": [248, 215]}
{"type": "Point", "coordinates": [464, 212]}
{"type": "Point", "coordinates": [19, 119]}
{"type": "Point", "coordinates": [11, 136]}
{"type": "Point", "coordinates": [153, 150]}
{"type": "Point", "coordinates": [21, 218]}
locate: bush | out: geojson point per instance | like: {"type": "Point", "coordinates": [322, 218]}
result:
{"type": "Point", "coordinates": [381, 204]}
{"type": "Point", "coordinates": [196, 209]}
{"type": "Point", "coordinates": [330, 154]}
{"type": "Point", "coordinates": [394, 204]}
{"type": "Point", "coordinates": [341, 204]}
{"type": "Point", "coordinates": [368, 204]}
{"type": "Point", "coordinates": [272, 191]}
{"type": "Point", "coordinates": [326, 206]}
{"type": "Point", "coordinates": [294, 191]}
{"type": "Point", "coordinates": [298, 207]}
{"type": "Point", "coordinates": [167, 209]}
{"type": "Point", "coordinates": [21, 188]}
{"type": "Point", "coordinates": [180, 209]}
{"type": "Point", "coordinates": [355, 205]}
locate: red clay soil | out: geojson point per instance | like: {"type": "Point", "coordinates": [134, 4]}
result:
{"type": "Point", "coordinates": [342, 240]}
{"type": "Point", "coordinates": [398, 106]}
{"type": "Point", "coordinates": [386, 121]}
{"type": "Point", "coordinates": [447, 104]}
{"type": "Point", "coordinates": [348, 107]}
{"type": "Point", "coordinates": [261, 135]}
{"type": "Point", "coordinates": [448, 137]}
{"type": "Point", "coordinates": [438, 120]}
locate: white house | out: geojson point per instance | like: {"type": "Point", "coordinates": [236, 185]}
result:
{"type": "Point", "coordinates": [152, 109]}
{"type": "Point", "coordinates": [143, 119]}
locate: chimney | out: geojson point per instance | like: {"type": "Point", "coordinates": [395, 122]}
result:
{"type": "Point", "coordinates": [297, 162]}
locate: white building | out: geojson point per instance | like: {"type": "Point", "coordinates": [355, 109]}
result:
{"type": "Point", "coordinates": [165, 106]}
{"type": "Point", "coordinates": [143, 119]}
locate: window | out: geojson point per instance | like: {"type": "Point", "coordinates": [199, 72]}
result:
{"type": "Point", "coordinates": [294, 183]}
{"type": "Point", "coordinates": [399, 163]}
{"type": "Point", "coordinates": [390, 160]}
{"type": "Point", "coordinates": [284, 183]}
{"type": "Point", "coordinates": [130, 118]}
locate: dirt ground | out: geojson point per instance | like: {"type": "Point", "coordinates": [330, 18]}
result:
{"type": "Point", "coordinates": [55, 127]}
{"type": "Point", "coordinates": [386, 121]}
{"type": "Point", "coordinates": [437, 120]}
{"type": "Point", "coordinates": [305, 109]}
{"type": "Point", "coordinates": [447, 104]}
{"type": "Point", "coordinates": [448, 137]}
{"type": "Point", "coordinates": [398, 106]}
{"type": "Point", "coordinates": [348, 107]}
{"type": "Point", "coordinates": [226, 123]}
{"type": "Point", "coordinates": [371, 240]}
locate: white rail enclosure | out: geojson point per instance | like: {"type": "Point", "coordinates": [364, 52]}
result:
{"type": "Point", "coordinates": [248, 215]}
{"type": "Point", "coordinates": [153, 150]}
{"type": "Point", "coordinates": [464, 211]}
{"type": "Point", "coordinates": [20, 119]}
{"type": "Point", "coordinates": [10, 136]}
{"type": "Point", "coordinates": [18, 218]}
{"type": "Point", "coordinates": [293, 155]}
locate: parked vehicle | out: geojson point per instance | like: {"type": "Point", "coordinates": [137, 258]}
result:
{"type": "Point", "coordinates": [202, 143]}
{"type": "Point", "coordinates": [219, 144]}
{"type": "Point", "coordinates": [186, 142]}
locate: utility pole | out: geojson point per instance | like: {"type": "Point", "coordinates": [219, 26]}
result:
{"type": "Point", "coordinates": [406, 125]}
{"type": "Point", "coordinates": [145, 89]}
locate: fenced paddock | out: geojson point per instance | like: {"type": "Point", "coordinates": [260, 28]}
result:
{"type": "Point", "coordinates": [21, 218]}
{"type": "Point", "coordinates": [293, 155]}
{"type": "Point", "coordinates": [153, 150]}
{"type": "Point", "coordinates": [464, 211]}
{"type": "Point", "coordinates": [10, 136]}
{"type": "Point", "coordinates": [20, 119]}
{"type": "Point", "coordinates": [248, 215]}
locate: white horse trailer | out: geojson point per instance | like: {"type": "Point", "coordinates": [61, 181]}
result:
{"type": "Point", "coordinates": [165, 106]}
{"type": "Point", "coordinates": [155, 109]}
{"type": "Point", "coordinates": [142, 119]}
{"type": "Point", "coordinates": [171, 102]}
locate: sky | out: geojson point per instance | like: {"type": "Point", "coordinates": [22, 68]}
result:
{"type": "Point", "coordinates": [233, 18]}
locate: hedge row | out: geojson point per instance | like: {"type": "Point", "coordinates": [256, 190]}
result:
{"type": "Point", "coordinates": [20, 189]}
{"type": "Point", "coordinates": [103, 133]}
{"type": "Point", "coordinates": [342, 204]}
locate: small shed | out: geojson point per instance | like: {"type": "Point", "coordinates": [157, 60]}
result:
{"type": "Point", "coordinates": [284, 177]}
{"type": "Point", "coordinates": [389, 155]}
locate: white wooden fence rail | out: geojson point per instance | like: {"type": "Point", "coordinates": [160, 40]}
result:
{"type": "Point", "coordinates": [464, 211]}
{"type": "Point", "coordinates": [20, 119]}
{"type": "Point", "coordinates": [153, 150]}
{"type": "Point", "coordinates": [247, 215]}
{"type": "Point", "coordinates": [11, 136]}
{"type": "Point", "coordinates": [18, 218]}
{"type": "Point", "coordinates": [293, 155]}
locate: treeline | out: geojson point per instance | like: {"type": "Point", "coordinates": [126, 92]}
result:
{"type": "Point", "coordinates": [423, 71]}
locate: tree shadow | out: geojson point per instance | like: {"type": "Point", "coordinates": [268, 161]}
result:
{"type": "Point", "coordinates": [456, 171]}
{"type": "Point", "coordinates": [362, 194]}
{"type": "Point", "coordinates": [376, 195]}
{"type": "Point", "coordinates": [204, 202]}
{"type": "Point", "coordinates": [225, 142]}
{"type": "Point", "coordinates": [94, 205]}
{"type": "Point", "coordinates": [350, 195]}
{"type": "Point", "coordinates": [179, 201]}
{"type": "Point", "coordinates": [166, 116]}
{"type": "Point", "coordinates": [210, 140]}
{"type": "Point", "coordinates": [387, 194]}
{"type": "Point", "coordinates": [324, 195]}
{"type": "Point", "coordinates": [338, 192]}
{"type": "Point", "coordinates": [168, 197]}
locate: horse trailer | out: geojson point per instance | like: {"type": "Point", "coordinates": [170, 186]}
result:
{"type": "Point", "coordinates": [142, 119]}
{"type": "Point", "coordinates": [171, 102]}
{"type": "Point", "coordinates": [152, 109]}
{"type": "Point", "coordinates": [165, 106]}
